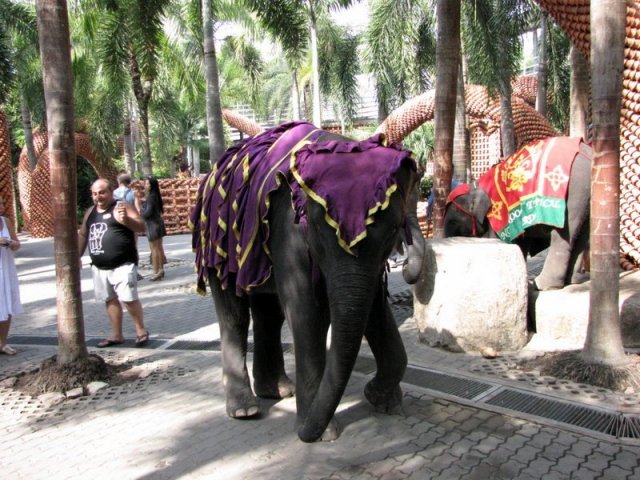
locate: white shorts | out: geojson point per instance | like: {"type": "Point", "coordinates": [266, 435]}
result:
{"type": "Point", "coordinates": [121, 282]}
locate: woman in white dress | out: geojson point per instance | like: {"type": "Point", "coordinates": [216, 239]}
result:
{"type": "Point", "coordinates": [9, 290]}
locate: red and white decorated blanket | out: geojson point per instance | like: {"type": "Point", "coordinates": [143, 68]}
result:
{"type": "Point", "coordinates": [530, 187]}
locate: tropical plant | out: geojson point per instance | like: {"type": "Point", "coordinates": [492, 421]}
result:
{"type": "Point", "coordinates": [128, 39]}
{"type": "Point", "coordinates": [55, 46]}
{"type": "Point", "coordinates": [447, 63]}
{"type": "Point", "coordinates": [288, 23]}
{"type": "Point", "coordinates": [491, 34]}
{"type": "Point", "coordinates": [400, 50]}
{"type": "Point", "coordinates": [20, 77]}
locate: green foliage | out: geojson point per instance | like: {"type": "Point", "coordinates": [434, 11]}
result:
{"type": "Point", "coordinates": [426, 184]}
{"type": "Point", "coordinates": [558, 77]}
{"type": "Point", "coordinates": [86, 175]}
{"type": "Point", "coordinates": [338, 52]}
{"type": "Point", "coordinates": [285, 21]}
{"type": "Point", "coordinates": [275, 90]}
{"type": "Point", "coordinates": [420, 142]}
{"type": "Point", "coordinates": [490, 33]}
{"type": "Point", "coordinates": [400, 48]}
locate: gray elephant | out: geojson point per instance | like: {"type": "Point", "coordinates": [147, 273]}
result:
{"type": "Point", "coordinates": [297, 224]}
{"type": "Point", "coordinates": [538, 197]}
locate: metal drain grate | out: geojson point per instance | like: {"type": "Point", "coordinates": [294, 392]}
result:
{"type": "Point", "coordinates": [34, 340]}
{"type": "Point", "coordinates": [615, 424]}
{"type": "Point", "coordinates": [213, 345]}
{"type": "Point", "coordinates": [441, 382]}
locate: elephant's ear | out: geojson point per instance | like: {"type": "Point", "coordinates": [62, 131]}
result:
{"type": "Point", "coordinates": [480, 203]}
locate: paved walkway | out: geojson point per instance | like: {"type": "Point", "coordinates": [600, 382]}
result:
{"type": "Point", "coordinates": [463, 417]}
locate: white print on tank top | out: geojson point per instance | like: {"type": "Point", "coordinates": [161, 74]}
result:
{"type": "Point", "coordinates": [96, 233]}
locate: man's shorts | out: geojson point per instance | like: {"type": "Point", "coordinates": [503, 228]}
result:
{"type": "Point", "coordinates": [121, 282]}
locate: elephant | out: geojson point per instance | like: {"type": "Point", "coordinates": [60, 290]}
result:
{"type": "Point", "coordinates": [297, 223]}
{"type": "Point", "coordinates": [555, 215]}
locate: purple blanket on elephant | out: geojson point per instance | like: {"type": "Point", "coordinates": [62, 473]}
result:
{"type": "Point", "coordinates": [229, 221]}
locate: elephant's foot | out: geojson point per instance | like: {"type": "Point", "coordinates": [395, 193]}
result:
{"type": "Point", "coordinates": [543, 285]}
{"type": "Point", "coordinates": [579, 277]}
{"type": "Point", "coordinates": [384, 400]}
{"type": "Point", "coordinates": [242, 406]}
{"type": "Point", "coordinates": [331, 433]}
{"type": "Point", "coordinates": [282, 388]}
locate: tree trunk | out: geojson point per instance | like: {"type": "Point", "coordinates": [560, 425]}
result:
{"type": "Point", "coordinates": [447, 62]}
{"type": "Point", "coordinates": [315, 68]}
{"type": "Point", "coordinates": [215, 128]}
{"type": "Point", "coordinates": [295, 97]}
{"type": "Point", "coordinates": [383, 111]}
{"type": "Point", "coordinates": [461, 150]}
{"type": "Point", "coordinates": [579, 104]}
{"type": "Point", "coordinates": [25, 113]}
{"type": "Point", "coordinates": [145, 141]}
{"type": "Point", "coordinates": [507, 131]}
{"type": "Point", "coordinates": [128, 151]}
{"type": "Point", "coordinates": [8, 188]}
{"type": "Point", "coordinates": [603, 343]}
{"type": "Point", "coordinates": [55, 49]}
{"type": "Point", "coordinates": [142, 90]}
{"type": "Point", "coordinates": [541, 100]}
{"type": "Point", "coordinates": [196, 162]}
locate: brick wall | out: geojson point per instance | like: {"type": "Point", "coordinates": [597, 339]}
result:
{"type": "Point", "coordinates": [178, 197]}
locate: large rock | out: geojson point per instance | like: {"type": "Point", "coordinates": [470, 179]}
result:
{"type": "Point", "coordinates": [562, 316]}
{"type": "Point", "coordinates": [472, 295]}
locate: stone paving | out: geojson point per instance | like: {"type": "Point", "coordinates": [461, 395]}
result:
{"type": "Point", "coordinates": [171, 424]}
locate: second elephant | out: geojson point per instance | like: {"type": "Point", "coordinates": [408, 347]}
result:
{"type": "Point", "coordinates": [538, 197]}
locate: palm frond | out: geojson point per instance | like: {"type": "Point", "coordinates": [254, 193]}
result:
{"type": "Point", "coordinates": [491, 31]}
{"type": "Point", "coordinates": [399, 43]}
{"type": "Point", "coordinates": [112, 47]}
{"type": "Point", "coordinates": [286, 21]}
{"type": "Point", "coordinates": [558, 77]}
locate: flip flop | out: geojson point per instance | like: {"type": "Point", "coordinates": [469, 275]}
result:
{"type": "Point", "coordinates": [143, 339]}
{"type": "Point", "coordinates": [7, 350]}
{"type": "Point", "coordinates": [109, 343]}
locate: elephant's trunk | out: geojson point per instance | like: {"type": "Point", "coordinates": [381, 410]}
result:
{"type": "Point", "coordinates": [415, 252]}
{"type": "Point", "coordinates": [350, 297]}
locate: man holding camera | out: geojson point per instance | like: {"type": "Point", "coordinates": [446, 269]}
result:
{"type": "Point", "coordinates": [109, 228]}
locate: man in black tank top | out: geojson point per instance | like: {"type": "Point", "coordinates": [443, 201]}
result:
{"type": "Point", "coordinates": [109, 229]}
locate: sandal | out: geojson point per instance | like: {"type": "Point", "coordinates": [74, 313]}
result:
{"type": "Point", "coordinates": [109, 343]}
{"type": "Point", "coordinates": [157, 276]}
{"type": "Point", "coordinates": [143, 339]}
{"type": "Point", "coordinates": [7, 350]}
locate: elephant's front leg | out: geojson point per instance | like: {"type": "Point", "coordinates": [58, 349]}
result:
{"type": "Point", "coordinates": [305, 307]}
{"type": "Point", "coordinates": [309, 320]}
{"type": "Point", "coordinates": [269, 377]}
{"type": "Point", "coordinates": [233, 318]}
{"type": "Point", "coordinates": [384, 339]}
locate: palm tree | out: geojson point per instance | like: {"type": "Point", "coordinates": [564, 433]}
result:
{"type": "Point", "coordinates": [400, 50]}
{"type": "Point", "coordinates": [492, 29]}
{"type": "Point", "coordinates": [447, 62]}
{"type": "Point", "coordinates": [603, 344]}
{"type": "Point", "coordinates": [541, 100]}
{"type": "Point", "coordinates": [214, 108]}
{"type": "Point", "coordinates": [287, 21]}
{"type": "Point", "coordinates": [602, 361]}
{"type": "Point", "coordinates": [55, 46]}
{"type": "Point", "coordinates": [19, 59]}
{"type": "Point", "coordinates": [580, 84]}
{"type": "Point", "coordinates": [128, 39]}
{"type": "Point", "coordinates": [558, 77]}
